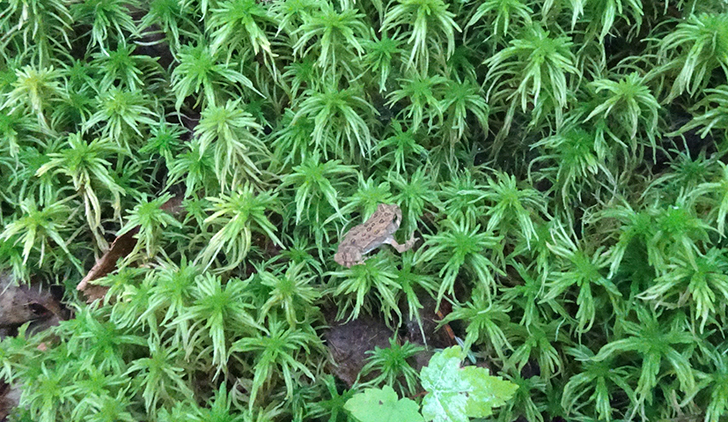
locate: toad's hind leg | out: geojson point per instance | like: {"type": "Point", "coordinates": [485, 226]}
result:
{"type": "Point", "coordinates": [401, 248]}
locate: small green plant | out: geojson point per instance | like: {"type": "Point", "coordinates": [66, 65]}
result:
{"type": "Point", "coordinates": [460, 248]}
{"type": "Point", "coordinates": [653, 344]}
{"type": "Point", "coordinates": [86, 164]}
{"type": "Point", "coordinates": [151, 220]}
{"type": "Point", "coordinates": [454, 393]}
{"type": "Point", "coordinates": [694, 50]}
{"type": "Point", "coordinates": [347, 108]}
{"type": "Point", "coordinates": [429, 24]}
{"type": "Point", "coordinates": [237, 215]}
{"type": "Point", "coordinates": [198, 162]}
{"type": "Point", "coordinates": [122, 114]}
{"type": "Point", "coordinates": [355, 284]}
{"type": "Point", "coordinates": [233, 134]}
{"type": "Point", "coordinates": [37, 228]}
{"type": "Point", "coordinates": [339, 43]}
{"type": "Point", "coordinates": [391, 364]}
{"type": "Point", "coordinates": [34, 90]}
{"type": "Point", "coordinates": [107, 18]}
{"type": "Point", "coordinates": [532, 67]}
{"type": "Point", "coordinates": [484, 321]}
{"type": "Point", "coordinates": [198, 72]}
{"type": "Point", "coordinates": [382, 404]}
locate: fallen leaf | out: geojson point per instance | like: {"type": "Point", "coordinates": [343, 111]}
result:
{"type": "Point", "coordinates": [121, 247]}
{"type": "Point", "coordinates": [20, 303]}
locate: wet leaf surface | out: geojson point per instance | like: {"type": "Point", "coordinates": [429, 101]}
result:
{"type": "Point", "coordinates": [23, 303]}
{"type": "Point", "coordinates": [348, 343]}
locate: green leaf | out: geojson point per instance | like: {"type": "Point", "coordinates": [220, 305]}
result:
{"type": "Point", "coordinates": [382, 405]}
{"type": "Point", "coordinates": [456, 394]}
{"type": "Point", "coordinates": [487, 391]}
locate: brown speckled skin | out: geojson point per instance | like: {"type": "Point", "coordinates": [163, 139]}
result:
{"type": "Point", "coordinates": [378, 229]}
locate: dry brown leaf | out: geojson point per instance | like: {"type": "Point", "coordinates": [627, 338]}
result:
{"type": "Point", "coordinates": [121, 247]}
{"type": "Point", "coordinates": [20, 303]}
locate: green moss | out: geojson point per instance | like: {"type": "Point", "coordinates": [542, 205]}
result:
{"type": "Point", "coordinates": [562, 162]}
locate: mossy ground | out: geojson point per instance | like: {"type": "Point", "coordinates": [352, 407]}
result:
{"type": "Point", "coordinates": [563, 163]}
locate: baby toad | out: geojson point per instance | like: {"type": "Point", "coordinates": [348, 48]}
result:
{"type": "Point", "coordinates": [365, 237]}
